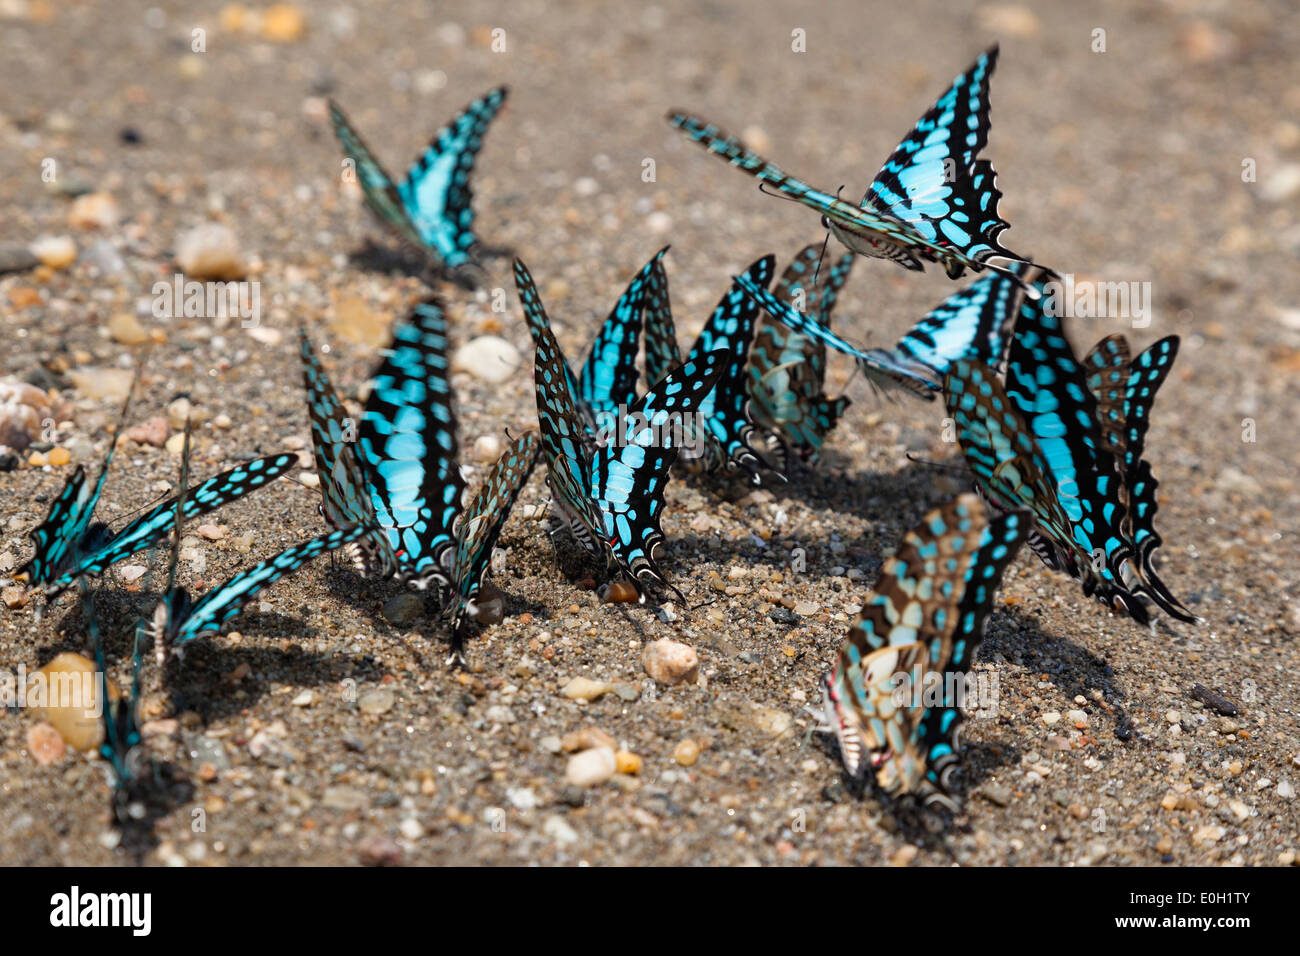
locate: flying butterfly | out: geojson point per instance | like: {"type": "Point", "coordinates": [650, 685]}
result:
{"type": "Point", "coordinates": [611, 496]}
{"type": "Point", "coordinates": [932, 201]}
{"type": "Point", "coordinates": [431, 208]}
{"type": "Point", "coordinates": [894, 698]}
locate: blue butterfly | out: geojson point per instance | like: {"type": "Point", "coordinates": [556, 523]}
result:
{"type": "Point", "coordinates": [972, 324]}
{"type": "Point", "coordinates": [611, 496]}
{"type": "Point", "coordinates": [787, 369]}
{"type": "Point", "coordinates": [916, 634]}
{"type": "Point", "coordinates": [480, 528]}
{"type": "Point", "coordinates": [104, 548]}
{"type": "Point", "coordinates": [729, 429]}
{"type": "Point", "coordinates": [178, 619]}
{"type": "Point", "coordinates": [407, 449]}
{"type": "Point", "coordinates": [431, 208]}
{"type": "Point", "coordinates": [397, 471]}
{"type": "Point", "coordinates": [67, 534]}
{"type": "Point", "coordinates": [932, 201]}
{"type": "Point", "coordinates": [1125, 391]}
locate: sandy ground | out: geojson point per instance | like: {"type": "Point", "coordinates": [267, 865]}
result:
{"type": "Point", "coordinates": [1123, 165]}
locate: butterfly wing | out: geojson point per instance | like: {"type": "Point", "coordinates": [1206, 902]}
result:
{"type": "Point", "coordinates": [381, 194]}
{"type": "Point", "coordinates": [629, 475]}
{"type": "Point", "coordinates": [436, 192]}
{"type": "Point", "coordinates": [407, 442]}
{"type": "Point", "coordinates": [158, 522]}
{"type": "Point", "coordinates": [1107, 368]}
{"type": "Point", "coordinates": [662, 353]}
{"type": "Point", "coordinates": [562, 430]}
{"type": "Point", "coordinates": [881, 371]}
{"type": "Point", "coordinates": [484, 519]}
{"type": "Point", "coordinates": [926, 617]}
{"type": "Point", "coordinates": [608, 378]}
{"type": "Point", "coordinates": [725, 409]}
{"type": "Point", "coordinates": [787, 370]}
{"type": "Point", "coordinates": [345, 499]}
{"type": "Point", "coordinates": [934, 183]}
{"type": "Point", "coordinates": [214, 609]}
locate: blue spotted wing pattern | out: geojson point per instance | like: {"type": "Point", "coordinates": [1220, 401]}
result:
{"type": "Point", "coordinates": [925, 619]}
{"type": "Point", "coordinates": [155, 524]}
{"type": "Point", "coordinates": [431, 208]}
{"type": "Point", "coordinates": [932, 201]}
{"type": "Point", "coordinates": [407, 448]}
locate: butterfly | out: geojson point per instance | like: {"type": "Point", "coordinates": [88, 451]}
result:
{"type": "Point", "coordinates": [104, 548]}
{"type": "Point", "coordinates": [396, 472]}
{"type": "Point", "coordinates": [973, 323]}
{"type": "Point", "coordinates": [407, 448]}
{"type": "Point", "coordinates": [1125, 390]}
{"type": "Point", "coordinates": [479, 529]}
{"type": "Point", "coordinates": [611, 496]}
{"type": "Point", "coordinates": [67, 533]}
{"type": "Point", "coordinates": [728, 428]}
{"type": "Point", "coordinates": [431, 208]}
{"type": "Point", "coordinates": [606, 386]}
{"type": "Point", "coordinates": [932, 201]}
{"type": "Point", "coordinates": [894, 698]}
{"type": "Point", "coordinates": [787, 369]}
{"type": "Point", "coordinates": [178, 619]}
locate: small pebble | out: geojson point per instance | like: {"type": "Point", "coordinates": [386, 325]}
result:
{"type": "Point", "coordinates": [621, 592]}
{"type": "Point", "coordinates": [686, 753]}
{"type": "Point", "coordinates": [376, 702]}
{"type": "Point", "coordinates": [44, 744]}
{"type": "Point", "coordinates": [126, 329]}
{"type": "Point", "coordinates": [582, 688]}
{"type": "Point", "coordinates": [670, 662]}
{"type": "Point", "coordinates": [152, 432]}
{"type": "Point", "coordinates": [487, 448]}
{"type": "Point", "coordinates": [558, 830]}
{"type": "Point", "coordinates": [379, 851]}
{"type": "Point", "coordinates": [591, 767]}
{"type": "Point", "coordinates": [210, 251]}
{"type": "Point", "coordinates": [488, 358]}
{"type": "Point", "coordinates": [57, 252]}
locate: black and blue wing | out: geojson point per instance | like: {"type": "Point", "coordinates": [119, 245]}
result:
{"type": "Point", "coordinates": [407, 447]}
{"type": "Point", "coordinates": [159, 521]}
{"type": "Point", "coordinates": [209, 613]}
{"type": "Point", "coordinates": [628, 475]}
{"type": "Point", "coordinates": [481, 527]}
{"type": "Point", "coordinates": [436, 191]}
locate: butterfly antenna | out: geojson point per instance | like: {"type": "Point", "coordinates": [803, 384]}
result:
{"type": "Point", "coordinates": [818, 270]}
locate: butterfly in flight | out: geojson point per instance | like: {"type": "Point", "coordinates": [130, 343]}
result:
{"type": "Point", "coordinates": [431, 208]}
{"type": "Point", "coordinates": [895, 696]}
{"type": "Point", "coordinates": [971, 324]}
{"type": "Point", "coordinates": [729, 430]}
{"type": "Point", "coordinates": [611, 496]}
{"type": "Point", "coordinates": [932, 201]}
